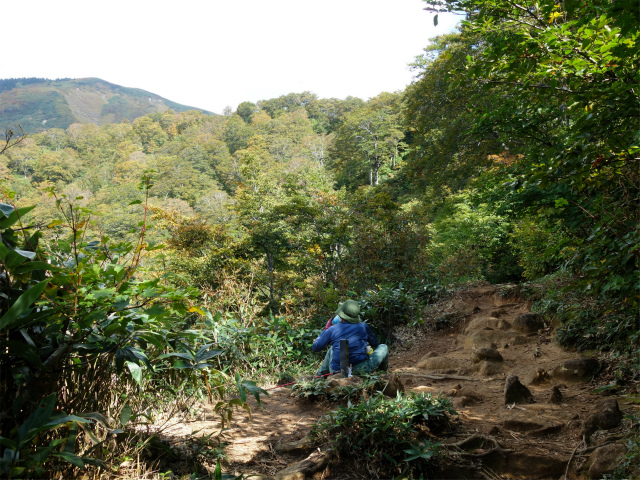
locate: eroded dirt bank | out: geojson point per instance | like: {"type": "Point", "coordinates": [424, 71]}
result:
{"type": "Point", "coordinates": [469, 347]}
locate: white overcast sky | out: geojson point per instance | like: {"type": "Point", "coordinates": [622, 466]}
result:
{"type": "Point", "coordinates": [215, 53]}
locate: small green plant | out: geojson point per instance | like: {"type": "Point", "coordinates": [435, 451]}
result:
{"type": "Point", "coordinates": [588, 321]}
{"type": "Point", "coordinates": [370, 385]}
{"type": "Point", "coordinates": [389, 306]}
{"type": "Point", "coordinates": [628, 468]}
{"type": "Point", "coordinates": [225, 407]}
{"type": "Point", "coordinates": [218, 475]}
{"type": "Point", "coordinates": [315, 388]}
{"type": "Point", "coordinates": [310, 388]}
{"type": "Point", "coordinates": [386, 436]}
{"type": "Point", "coordinates": [23, 458]}
{"type": "Point", "coordinates": [260, 348]}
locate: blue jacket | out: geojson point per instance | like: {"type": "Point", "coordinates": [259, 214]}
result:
{"type": "Point", "coordinates": [358, 334]}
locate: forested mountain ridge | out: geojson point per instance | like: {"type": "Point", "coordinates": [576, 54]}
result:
{"type": "Point", "coordinates": [37, 104]}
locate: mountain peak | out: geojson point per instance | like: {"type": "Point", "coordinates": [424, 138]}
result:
{"type": "Point", "coordinates": [38, 104]}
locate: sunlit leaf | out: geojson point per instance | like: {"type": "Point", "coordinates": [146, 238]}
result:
{"type": "Point", "coordinates": [136, 371]}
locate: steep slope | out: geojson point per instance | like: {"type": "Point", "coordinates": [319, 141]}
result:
{"type": "Point", "coordinates": [46, 104]}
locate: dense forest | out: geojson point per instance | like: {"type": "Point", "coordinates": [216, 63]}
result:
{"type": "Point", "coordinates": [148, 261]}
{"type": "Point", "coordinates": [11, 83]}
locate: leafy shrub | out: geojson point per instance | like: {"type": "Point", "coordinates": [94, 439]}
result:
{"type": "Point", "coordinates": [601, 329]}
{"type": "Point", "coordinates": [587, 320]}
{"type": "Point", "coordinates": [471, 243]}
{"type": "Point", "coordinates": [386, 436]}
{"type": "Point", "coordinates": [387, 246]}
{"type": "Point", "coordinates": [388, 307]}
{"type": "Point", "coordinates": [314, 388]}
{"type": "Point", "coordinates": [310, 388]}
{"type": "Point", "coordinates": [542, 248]}
{"type": "Point", "coordinates": [267, 347]}
{"type": "Point", "coordinates": [24, 457]}
{"type": "Point", "coordinates": [370, 384]}
{"type": "Point", "coordinates": [80, 317]}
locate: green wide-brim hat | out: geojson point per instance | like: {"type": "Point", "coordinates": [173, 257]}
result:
{"type": "Point", "coordinates": [349, 311]}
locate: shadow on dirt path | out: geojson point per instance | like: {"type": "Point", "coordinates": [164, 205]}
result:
{"type": "Point", "coordinates": [467, 348]}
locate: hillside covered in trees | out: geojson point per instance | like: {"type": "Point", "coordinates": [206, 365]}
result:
{"type": "Point", "coordinates": [38, 104]}
{"type": "Point", "coordinates": [177, 252]}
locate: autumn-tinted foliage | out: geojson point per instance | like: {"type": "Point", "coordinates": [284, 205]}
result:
{"type": "Point", "coordinates": [546, 91]}
{"type": "Point", "coordinates": [570, 68]}
{"type": "Point", "coordinates": [513, 156]}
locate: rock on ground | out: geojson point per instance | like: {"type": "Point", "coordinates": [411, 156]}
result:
{"type": "Point", "coordinates": [528, 323]}
{"type": "Point", "coordinates": [607, 416]}
{"type": "Point", "coordinates": [486, 353]}
{"type": "Point", "coordinates": [515, 392]}
{"type": "Point", "coordinates": [576, 370]}
{"type": "Point", "coordinates": [604, 460]}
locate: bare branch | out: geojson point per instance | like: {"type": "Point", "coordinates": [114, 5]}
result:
{"type": "Point", "coordinates": [8, 136]}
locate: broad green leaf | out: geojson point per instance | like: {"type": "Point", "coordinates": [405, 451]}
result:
{"type": "Point", "coordinates": [14, 216]}
{"type": "Point", "coordinates": [125, 415]}
{"type": "Point", "coordinates": [6, 209]}
{"type": "Point", "coordinates": [38, 418]}
{"type": "Point", "coordinates": [247, 407]}
{"type": "Point", "coordinates": [217, 473]}
{"type": "Point", "coordinates": [136, 371]}
{"type": "Point", "coordinates": [254, 389]}
{"type": "Point", "coordinates": [95, 461]}
{"type": "Point", "coordinates": [16, 471]}
{"type": "Point", "coordinates": [26, 352]}
{"type": "Point", "coordinates": [94, 317]}
{"type": "Point", "coordinates": [71, 458]}
{"type": "Point", "coordinates": [24, 253]}
{"type": "Point", "coordinates": [119, 360]}
{"type": "Point", "coordinates": [105, 292]}
{"type": "Point", "coordinates": [4, 251]}
{"type": "Point", "coordinates": [14, 258]}
{"type": "Point", "coordinates": [136, 355]}
{"type": "Point", "coordinates": [9, 443]}
{"type": "Point", "coordinates": [201, 357]}
{"type": "Point", "coordinates": [29, 267]}
{"type": "Point", "coordinates": [186, 356]}
{"type": "Point", "coordinates": [9, 456]}
{"type": "Point", "coordinates": [113, 328]}
{"type": "Point", "coordinates": [154, 339]}
{"type": "Point", "coordinates": [65, 419]}
{"type": "Point", "coordinates": [97, 417]}
{"type": "Point", "coordinates": [21, 305]}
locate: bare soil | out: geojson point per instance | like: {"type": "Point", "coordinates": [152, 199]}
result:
{"type": "Point", "coordinates": [533, 440]}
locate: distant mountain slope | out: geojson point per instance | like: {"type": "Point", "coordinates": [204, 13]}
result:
{"type": "Point", "coordinates": [40, 104]}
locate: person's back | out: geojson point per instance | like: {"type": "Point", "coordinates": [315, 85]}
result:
{"type": "Point", "coordinates": [359, 335]}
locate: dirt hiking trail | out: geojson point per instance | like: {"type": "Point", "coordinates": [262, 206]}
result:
{"type": "Point", "coordinates": [469, 348]}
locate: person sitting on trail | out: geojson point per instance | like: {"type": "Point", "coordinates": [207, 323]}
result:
{"type": "Point", "coordinates": [360, 336]}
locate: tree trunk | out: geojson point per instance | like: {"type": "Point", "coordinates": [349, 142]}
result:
{"type": "Point", "coordinates": [269, 259]}
{"type": "Point", "coordinates": [376, 167]}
